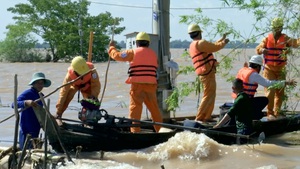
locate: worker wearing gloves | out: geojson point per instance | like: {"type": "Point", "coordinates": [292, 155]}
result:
{"type": "Point", "coordinates": [89, 85]}
{"type": "Point", "coordinates": [142, 77]}
{"type": "Point", "coordinates": [275, 48]}
{"type": "Point", "coordinates": [251, 79]}
{"type": "Point", "coordinates": [201, 52]}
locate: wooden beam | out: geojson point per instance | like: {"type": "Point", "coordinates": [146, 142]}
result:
{"type": "Point", "coordinates": [90, 46]}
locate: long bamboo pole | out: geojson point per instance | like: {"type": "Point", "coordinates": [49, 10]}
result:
{"type": "Point", "coordinates": [90, 46]}
{"type": "Point", "coordinates": [14, 150]}
{"type": "Point", "coordinates": [69, 83]}
{"type": "Point", "coordinates": [173, 126]}
{"type": "Point", "coordinates": [48, 115]}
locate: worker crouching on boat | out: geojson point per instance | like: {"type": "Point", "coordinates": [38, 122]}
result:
{"type": "Point", "coordinates": [251, 79]}
{"type": "Point", "coordinates": [241, 111]}
{"type": "Point", "coordinates": [29, 123]}
{"type": "Point", "coordinates": [89, 85]}
{"type": "Point", "coordinates": [142, 77]}
{"type": "Point", "coordinates": [201, 52]}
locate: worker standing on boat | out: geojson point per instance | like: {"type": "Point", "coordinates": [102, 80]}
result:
{"type": "Point", "coordinates": [142, 77]}
{"type": "Point", "coordinates": [251, 78]}
{"type": "Point", "coordinates": [201, 52]}
{"type": "Point", "coordinates": [29, 123]}
{"type": "Point", "coordinates": [89, 85]}
{"type": "Point", "coordinates": [275, 48]}
{"type": "Point", "coordinates": [241, 110]}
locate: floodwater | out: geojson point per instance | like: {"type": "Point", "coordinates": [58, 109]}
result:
{"type": "Point", "coordinates": [184, 150]}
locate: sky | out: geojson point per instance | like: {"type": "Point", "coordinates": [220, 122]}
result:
{"type": "Point", "coordinates": [138, 19]}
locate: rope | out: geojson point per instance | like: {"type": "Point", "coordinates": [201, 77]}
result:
{"type": "Point", "coordinates": [105, 81]}
{"type": "Point", "coordinates": [108, 62]}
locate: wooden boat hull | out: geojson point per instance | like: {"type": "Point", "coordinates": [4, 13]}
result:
{"type": "Point", "coordinates": [105, 139]}
{"type": "Point", "coordinates": [111, 136]}
{"type": "Point", "coordinates": [107, 136]}
{"type": "Point", "coordinates": [268, 127]}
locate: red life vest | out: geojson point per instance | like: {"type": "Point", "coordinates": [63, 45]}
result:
{"type": "Point", "coordinates": [143, 67]}
{"type": "Point", "coordinates": [249, 88]}
{"type": "Point", "coordinates": [82, 83]}
{"type": "Point", "coordinates": [203, 62]}
{"type": "Point", "coordinates": [275, 51]}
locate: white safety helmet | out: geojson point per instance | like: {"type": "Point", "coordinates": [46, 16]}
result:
{"type": "Point", "coordinates": [257, 59]}
{"type": "Point", "coordinates": [194, 28]}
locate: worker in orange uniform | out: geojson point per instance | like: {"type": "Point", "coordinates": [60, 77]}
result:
{"type": "Point", "coordinates": [274, 48]}
{"type": "Point", "coordinates": [201, 52]}
{"type": "Point", "coordinates": [142, 77]}
{"type": "Point", "coordinates": [89, 85]}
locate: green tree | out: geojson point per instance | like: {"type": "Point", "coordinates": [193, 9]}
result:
{"type": "Point", "coordinates": [263, 12]}
{"type": "Point", "coordinates": [18, 45]}
{"type": "Point", "coordinates": [66, 26]}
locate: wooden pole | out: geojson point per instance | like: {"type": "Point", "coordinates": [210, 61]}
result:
{"type": "Point", "coordinates": [57, 133]}
{"type": "Point", "coordinates": [174, 126]}
{"type": "Point", "coordinates": [14, 150]}
{"type": "Point", "coordinates": [90, 46]}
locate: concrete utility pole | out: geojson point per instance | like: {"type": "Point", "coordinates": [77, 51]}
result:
{"type": "Point", "coordinates": [80, 32]}
{"type": "Point", "coordinates": [161, 27]}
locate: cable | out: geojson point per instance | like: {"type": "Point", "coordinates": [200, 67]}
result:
{"type": "Point", "coordinates": [174, 8]}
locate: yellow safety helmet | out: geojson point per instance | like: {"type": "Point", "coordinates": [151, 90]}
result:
{"type": "Point", "coordinates": [79, 65]}
{"type": "Point", "coordinates": [277, 23]}
{"type": "Point", "coordinates": [142, 36]}
{"type": "Point", "coordinates": [194, 28]}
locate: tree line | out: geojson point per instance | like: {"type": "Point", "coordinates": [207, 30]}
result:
{"type": "Point", "coordinates": [64, 25]}
{"type": "Point", "coordinates": [176, 44]}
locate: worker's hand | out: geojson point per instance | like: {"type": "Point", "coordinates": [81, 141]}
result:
{"type": "Point", "coordinates": [57, 115]}
{"type": "Point", "coordinates": [29, 103]}
{"type": "Point", "coordinates": [217, 64]}
{"type": "Point", "coordinates": [265, 51]}
{"type": "Point", "coordinates": [225, 35]}
{"type": "Point", "coordinates": [226, 40]}
{"type": "Point", "coordinates": [93, 98]}
{"type": "Point", "coordinates": [291, 83]}
{"type": "Point", "coordinates": [111, 43]}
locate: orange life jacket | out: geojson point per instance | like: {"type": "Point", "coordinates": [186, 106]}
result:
{"type": "Point", "coordinates": [203, 62]}
{"type": "Point", "coordinates": [275, 51]}
{"type": "Point", "coordinates": [249, 88]}
{"type": "Point", "coordinates": [82, 83]}
{"type": "Point", "coordinates": [143, 67]}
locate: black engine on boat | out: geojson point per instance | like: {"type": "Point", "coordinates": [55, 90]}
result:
{"type": "Point", "coordinates": [90, 112]}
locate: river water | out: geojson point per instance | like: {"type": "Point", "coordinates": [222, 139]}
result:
{"type": "Point", "coordinates": [184, 150]}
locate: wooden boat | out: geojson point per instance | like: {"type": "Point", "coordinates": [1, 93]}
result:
{"type": "Point", "coordinates": [268, 127]}
{"type": "Point", "coordinates": [111, 134]}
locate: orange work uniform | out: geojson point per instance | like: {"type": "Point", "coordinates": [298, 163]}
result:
{"type": "Point", "coordinates": [274, 67]}
{"type": "Point", "coordinates": [89, 87]}
{"type": "Point", "coordinates": [205, 67]}
{"type": "Point", "coordinates": [142, 77]}
{"type": "Point", "coordinates": [244, 75]}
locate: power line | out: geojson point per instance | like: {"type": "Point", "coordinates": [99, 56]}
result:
{"type": "Point", "coordinates": [127, 6]}
{"type": "Point", "coordinates": [146, 7]}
